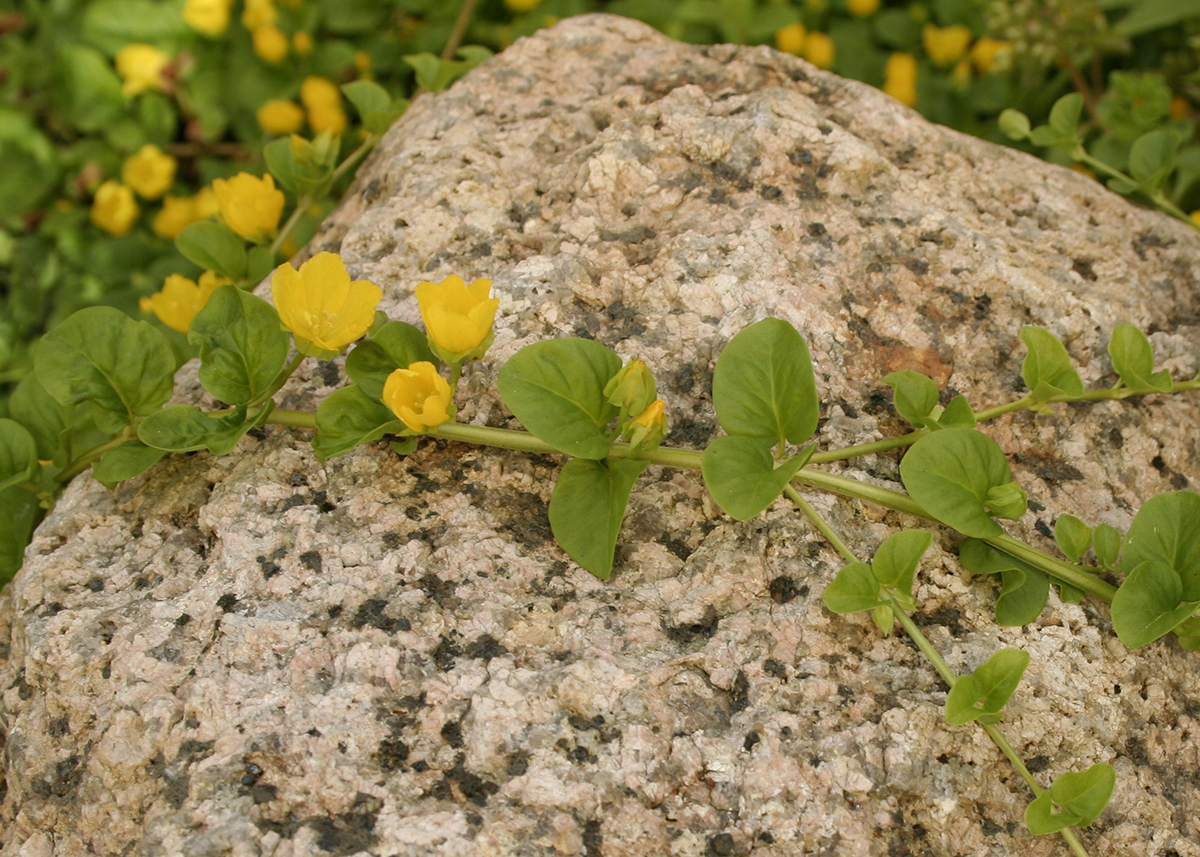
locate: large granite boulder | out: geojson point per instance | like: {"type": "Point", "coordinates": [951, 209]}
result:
{"type": "Point", "coordinates": [265, 655]}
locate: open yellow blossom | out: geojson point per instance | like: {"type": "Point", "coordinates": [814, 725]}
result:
{"type": "Point", "coordinates": [176, 213]}
{"type": "Point", "coordinates": [270, 44]}
{"type": "Point", "coordinates": [181, 299]}
{"type": "Point", "coordinates": [114, 209]}
{"type": "Point", "coordinates": [418, 396]}
{"type": "Point", "coordinates": [819, 50]}
{"type": "Point", "coordinates": [323, 100]}
{"type": "Point", "coordinates": [458, 318]}
{"type": "Point", "coordinates": [946, 45]}
{"type": "Point", "coordinates": [862, 8]}
{"type": "Point", "coordinates": [140, 67]}
{"type": "Point", "coordinates": [321, 305]}
{"type": "Point", "coordinates": [280, 116]}
{"type": "Point", "coordinates": [249, 205]}
{"type": "Point", "coordinates": [259, 13]}
{"type": "Point", "coordinates": [900, 78]}
{"type": "Point", "coordinates": [149, 172]}
{"type": "Point", "coordinates": [210, 17]}
{"type": "Point", "coordinates": [988, 54]}
{"type": "Point", "coordinates": [790, 39]}
{"type": "Point", "coordinates": [302, 43]}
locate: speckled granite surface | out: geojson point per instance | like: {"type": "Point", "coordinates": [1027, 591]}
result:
{"type": "Point", "coordinates": [264, 655]}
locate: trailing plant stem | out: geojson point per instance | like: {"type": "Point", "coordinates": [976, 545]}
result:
{"type": "Point", "coordinates": [832, 537]}
{"type": "Point", "coordinates": [84, 461]}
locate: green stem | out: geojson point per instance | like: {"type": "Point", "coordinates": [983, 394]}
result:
{"type": "Point", "coordinates": [999, 410]}
{"type": "Point", "coordinates": [869, 448]}
{"type": "Point", "coordinates": [296, 419]}
{"type": "Point", "coordinates": [460, 29]}
{"type": "Point", "coordinates": [302, 205]}
{"type": "Point", "coordinates": [820, 524]}
{"type": "Point", "coordinates": [354, 156]}
{"type": "Point", "coordinates": [1064, 571]}
{"type": "Point", "coordinates": [455, 374]}
{"type": "Point", "coordinates": [84, 461]}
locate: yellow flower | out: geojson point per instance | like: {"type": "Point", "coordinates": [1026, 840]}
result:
{"type": "Point", "coordinates": [140, 67]}
{"type": "Point", "coordinates": [647, 430]}
{"type": "Point", "coordinates": [1195, 215]}
{"type": "Point", "coordinates": [302, 43]}
{"type": "Point", "coordinates": [205, 203]}
{"type": "Point", "coordinates": [458, 318]}
{"type": "Point", "coordinates": [632, 388]}
{"type": "Point", "coordinates": [900, 78]}
{"type": "Point", "coordinates": [149, 172]}
{"type": "Point", "coordinates": [790, 39]}
{"type": "Point", "coordinates": [114, 209]}
{"type": "Point", "coordinates": [862, 8]}
{"type": "Point", "coordinates": [1179, 109]}
{"type": "Point", "coordinates": [418, 396]}
{"type": "Point", "coordinates": [323, 100]}
{"type": "Point", "coordinates": [176, 213]}
{"type": "Point", "coordinates": [210, 17]}
{"type": "Point", "coordinates": [988, 54]}
{"type": "Point", "coordinates": [321, 305]}
{"type": "Point", "coordinates": [259, 13]}
{"type": "Point", "coordinates": [280, 117]}
{"type": "Point", "coordinates": [946, 45]}
{"type": "Point", "coordinates": [819, 50]}
{"type": "Point", "coordinates": [250, 205]}
{"type": "Point", "coordinates": [522, 5]}
{"type": "Point", "coordinates": [181, 299]}
{"type": "Point", "coordinates": [270, 44]}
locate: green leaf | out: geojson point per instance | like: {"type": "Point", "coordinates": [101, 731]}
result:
{"type": "Point", "coordinates": [395, 345]}
{"type": "Point", "coordinates": [1106, 544]}
{"type": "Point", "coordinates": [951, 472]}
{"type": "Point", "coordinates": [982, 695]}
{"type": "Point", "coordinates": [184, 428]}
{"type": "Point", "coordinates": [1152, 158]}
{"type": "Point", "coordinates": [112, 24]}
{"type": "Point", "coordinates": [587, 508]}
{"type": "Point", "coordinates": [298, 175]}
{"type": "Point", "coordinates": [366, 95]}
{"type": "Point", "coordinates": [916, 395]}
{"type": "Point", "coordinates": [1041, 817]}
{"type": "Point", "coordinates": [1023, 590]}
{"type": "Point", "coordinates": [1155, 14]}
{"type": "Point", "coordinates": [1149, 604]}
{"type": "Point", "coordinates": [242, 346]}
{"type": "Point", "coordinates": [1081, 795]}
{"type": "Point", "coordinates": [853, 590]}
{"type": "Point", "coordinates": [763, 384]}
{"type": "Point", "coordinates": [125, 462]}
{"type": "Point", "coordinates": [1047, 367]}
{"type": "Point", "coordinates": [99, 354]}
{"type": "Point", "coordinates": [1164, 530]}
{"type": "Point", "coordinates": [884, 618]}
{"type": "Point", "coordinates": [19, 512]}
{"type": "Point", "coordinates": [93, 96]}
{"type": "Point", "coordinates": [1074, 537]}
{"type": "Point", "coordinates": [18, 454]}
{"type": "Point", "coordinates": [1133, 359]}
{"type": "Point", "coordinates": [742, 477]}
{"type": "Point", "coordinates": [260, 261]}
{"type": "Point", "coordinates": [348, 417]}
{"type": "Point", "coordinates": [1065, 114]}
{"type": "Point", "coordinates": [895, 563]}
{"type": "Point", "coordinates": [957, 413]}
{"type": "Point", "coordinates": [47, 420]}
{"type": "Point", "coordinates": [1014, 124]}
{"type": "Point", "coordinates": [433, 73]}
{"type": "Point", "coordinates": [215, 247]}
{"type": "Point", "coordinates": [556, 389]}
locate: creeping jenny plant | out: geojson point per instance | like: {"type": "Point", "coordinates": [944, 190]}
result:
{"type": "Point", "coordinates": [98, 398]}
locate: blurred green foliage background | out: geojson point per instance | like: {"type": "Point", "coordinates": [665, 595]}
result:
{"type": "Point", "coordinates": [117, 115]}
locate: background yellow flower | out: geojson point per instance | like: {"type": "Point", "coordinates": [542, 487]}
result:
{"type": "Point", "coordinates": [280, 117]}
{"type": "Point", "coordinates": [150, 172]}
{"type": "Point", "coordinates": [181, 299]}
{"type": "Point", "coordinates": [140, 67]}
{"type": "Point", "coordinates": [249, 205]}
{"type": "Point", "coordinates": [114, 209]}
{"type": "Point", "coordinates": [210, 17]}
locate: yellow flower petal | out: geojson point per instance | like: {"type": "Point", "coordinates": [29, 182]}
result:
{"type": "Point", "coordinates": [320, 304]}
{"type": "Point", "coordinates": [114, 209]}
{"type": "Point", "coordinates": [249, 205]}
{"type": "Point", "coordinates": [458, 318]}
{"type": "Point", "coordinates": [418, 396]}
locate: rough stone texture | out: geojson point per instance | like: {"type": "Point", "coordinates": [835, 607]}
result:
{"type": "Point", "coordinates": [264, 655]}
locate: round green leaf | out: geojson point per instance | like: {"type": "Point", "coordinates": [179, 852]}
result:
{"type": "Point", "coordinates": [1149, 604]}
{"type": "Point", "coordinates": [853, 590]}
{"type": "Point", "coordinates": [1133, 359]}
{"type": "Point", "coordinates": [18, 453]}
{"type": "Point", "coordinates": [915, 395]}
{"type": "Point", "coordinates": [587, 508]}
{"type": "Point", "coordinates": [742, 477]}
{"type": "Point", "coordinates": [983, 694]}
{"type": "Point", "coordinates": [1047, 367]}
{"type": "Point", "coordinates": [215, 247]}
{"type": "Point", "coordinates": [1041, 818]}
{"type": "Point", "coordinates": [763, 384]}
{"type": "Point", "coordinates": [99, 354]}
{"type": "Point", "coordinates": [1014, 124]}
{"type": "Point", "coordinates": [19, 512]}
{"type": "Point", "coordinates": [183, 428]}
{"type": "Point", "coordinates": [1084, 793]}
{"type": "Point", "coordinates": [1023, 589]}
{"type": "Point", "coordinates": [348, 417]}
{"type": "Point", "coordinates": [242, 346]}
{"type": "Point", "coordinates": [125, 462]}
{"type": "Point", "coordinates": [950, 473]}
{"type": "Point", "coordinates": [556, 389]}
{"type": "Point", "coordinates": [1073, 536]}
{"type": "Point", "coordinates": [1164, 530]}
